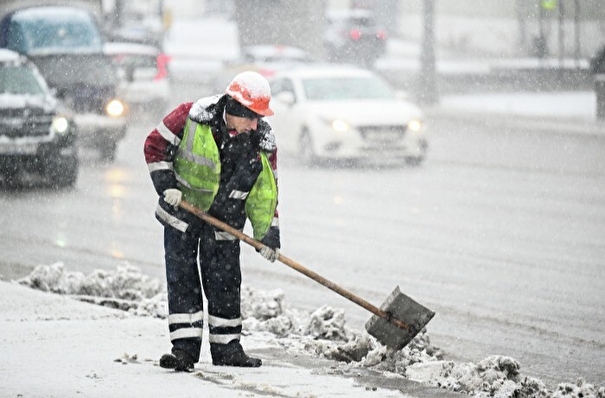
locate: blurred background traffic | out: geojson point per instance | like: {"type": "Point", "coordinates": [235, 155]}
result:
{"type": "Point", "coordinates": [109, 62]}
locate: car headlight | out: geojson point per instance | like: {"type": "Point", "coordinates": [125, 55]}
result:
{"type": "Point", "coordinates": [338, 125]}
{"type": "Point", "coordinates": [115, 108]}
{"type": "Point", "coordinates": [60, 124]}
{"type": "Point", "coordinates": [415, 125]}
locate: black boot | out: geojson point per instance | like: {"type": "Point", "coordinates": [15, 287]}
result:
{"type": "Point", "coordinates": [232, 354]}
{"type": "Point", "coordinates": [178, 360]}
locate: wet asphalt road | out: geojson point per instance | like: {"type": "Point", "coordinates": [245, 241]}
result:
{"type": "Point", "coordinates": [500, 232]}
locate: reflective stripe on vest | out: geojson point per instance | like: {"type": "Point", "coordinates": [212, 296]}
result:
{"type": "Point", "coordinates": [262, 200]}
{"type": "Point", "coordinates": [197, 165]}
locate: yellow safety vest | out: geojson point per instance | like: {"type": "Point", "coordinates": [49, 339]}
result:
{"type": "Point", "coordinates": [262, 200]}
{"type": "Point", "coordinates": [197, 165]}
{"type": "Point", "coordinates": [197, 168]}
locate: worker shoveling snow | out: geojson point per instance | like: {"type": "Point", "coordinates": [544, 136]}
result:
{"type": "Point", "coordinates": [322, 333]}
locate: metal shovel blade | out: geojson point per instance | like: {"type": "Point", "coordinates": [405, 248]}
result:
{"type": "Point", "coordinates": [402, 307]}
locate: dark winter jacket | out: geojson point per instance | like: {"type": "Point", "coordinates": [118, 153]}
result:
{"type": "Point", "coordinates": [240, 164]}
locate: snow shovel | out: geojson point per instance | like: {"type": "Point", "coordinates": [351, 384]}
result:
{"type": "Point", "coordinates": [394, 324]}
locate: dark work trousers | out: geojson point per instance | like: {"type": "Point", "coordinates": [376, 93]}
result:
{"type": "Point", "coordinates": [219, 263]}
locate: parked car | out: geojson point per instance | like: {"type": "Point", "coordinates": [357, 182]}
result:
{"type": "Point", "coordinates": [37, 136]}
{"type": "Point", "coordinates": [344, 113]}
{"type": "Point", "coordinates": [354, 36]}
{"type": "Point", "coordinates": [266, 59]}
{"type": "Point", "coordinates": [66, 45]}
{"type": "Point", "coordinates": [144, 75]}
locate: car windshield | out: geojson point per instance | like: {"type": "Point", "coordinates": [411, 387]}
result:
{"type": "Point", "coordinates": [19, 80]}
{"type": "Point", "coordinates": [346, 88]}
{"type": "Point", "coordinates": [34, 31]}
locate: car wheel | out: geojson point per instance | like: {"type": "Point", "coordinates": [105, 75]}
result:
{"type": "Point", "coordinates": [306, 151]}
{"type": "Point", "coordinates": [108, 151]}
{"type": "Point", "coordinates": [62, 172]}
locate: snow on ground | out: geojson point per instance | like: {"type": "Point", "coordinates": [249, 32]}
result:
{"type": "Point", "coordinates": [268, 323]}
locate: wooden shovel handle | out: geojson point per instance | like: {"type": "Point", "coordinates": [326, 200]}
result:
{"type": "Point", "coordinates": [296, 266]}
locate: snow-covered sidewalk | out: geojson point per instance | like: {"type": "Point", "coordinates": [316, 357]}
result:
{"type": "Point", "coordinates": [63, 345]}
{"type": "Point", "coordinates": [56, 346]}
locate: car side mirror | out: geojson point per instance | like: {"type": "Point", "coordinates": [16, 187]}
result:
{"type": "Point", "coordinates": [286, 97]}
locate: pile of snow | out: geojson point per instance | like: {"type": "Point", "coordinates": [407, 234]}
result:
{"type": "Point", "coordinates": [322, 333]}
{"type": "Point", "coordinates": [125, 289]}
{"type": "Point", "coordinates": [495, 376]}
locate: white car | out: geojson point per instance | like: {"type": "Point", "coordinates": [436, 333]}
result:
{"type": "Point", "coordinates": [144, 74]}
{"type": "Point", "coordinates": [344, 113]}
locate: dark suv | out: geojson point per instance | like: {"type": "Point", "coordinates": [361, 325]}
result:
{"type": "Point", "coordinates": [36, 137]}
{"type": "Point", "coordinates": [354, 36]}
{"type": "Point", "coordinates": [66, 45]}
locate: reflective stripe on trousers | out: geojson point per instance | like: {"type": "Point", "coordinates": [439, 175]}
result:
{"type": "Point", "coordinates": [221, 278]}
{"type": "Point", "coordinates": [183, 326]}
{"type": "Point", "coordinates": [217, 324]}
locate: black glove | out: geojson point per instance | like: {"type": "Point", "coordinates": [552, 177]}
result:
{"type": "Point", "coordinates": [272, 245]}
{"type": "Point", "coordinates": [271, 239]}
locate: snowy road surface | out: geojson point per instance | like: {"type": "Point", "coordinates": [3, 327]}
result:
{"type": "Point", "coordinates": [500, 232]}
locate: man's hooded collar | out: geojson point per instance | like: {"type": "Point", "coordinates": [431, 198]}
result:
{"type": "Point", "coordinates": [209, 111]}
